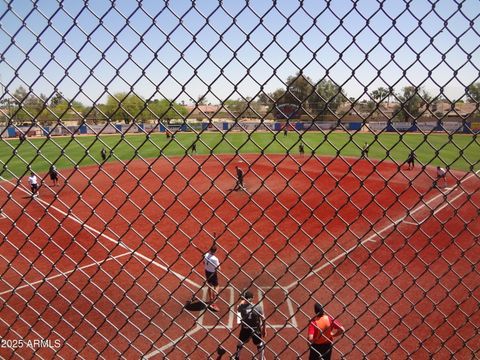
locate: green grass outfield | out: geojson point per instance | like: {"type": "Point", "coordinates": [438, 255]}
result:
{"type": "Point", "coordinates": [461, 152]}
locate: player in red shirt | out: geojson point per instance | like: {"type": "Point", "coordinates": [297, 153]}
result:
{"type": "Point", "coordinates": [321, 331]}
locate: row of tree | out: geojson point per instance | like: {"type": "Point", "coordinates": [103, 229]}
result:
{"type": "Point", "coordinates": [325, 98]}
{"type": "Point", "coordinates": [301, 96]}
{"type": "Point", "coordinates": [25, 106]}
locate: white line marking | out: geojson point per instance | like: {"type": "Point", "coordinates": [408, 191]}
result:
{"type": "Point", "coordinates": [63, 274]}
{"type": "Point", "coordinates": [216, 327]}
{"type": "Point", "coordinates": [368, 239]}
{"type": "Point", "coordinates": [200, 318]}
{"type": "Point", "coordinates": [226, 327]}
{"type": "Point", "coordinates": [412, 223]}
{"type": "Point", "coordinates": [260, 296]}
{"type": "Point", "coordinates": [231, 315]}
{"type": "Point", "coordinates": [381, 231]}
{"type": "Point", "coordinates": [286, 326]}
{"type": "Point", "coordinates": [172, 343]}
{"type": "Point", "coordinates": [118, 242]}
{"type": "Point", "coordinates": [449, 202]}
{"type": "Point", "coordinates": [292, 313]}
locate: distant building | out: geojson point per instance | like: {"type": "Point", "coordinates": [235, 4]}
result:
{"type": "Point", "coordinates": [202, 110]}
{"type": "Point", "coordinates": [445, 108]}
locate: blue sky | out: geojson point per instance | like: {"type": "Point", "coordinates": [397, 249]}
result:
{"type": "Point", "coordinates": [182, 49]}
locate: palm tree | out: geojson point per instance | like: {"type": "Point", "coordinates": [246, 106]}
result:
{"type": "Point", "coordinates": [380, 93]}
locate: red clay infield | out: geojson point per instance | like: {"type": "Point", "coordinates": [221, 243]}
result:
{"type": "Point", "coordinates": [104, 264]}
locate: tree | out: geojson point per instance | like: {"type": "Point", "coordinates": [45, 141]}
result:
{"type": "Point", "coordinates": [131, 107]}
{"type": "Point", "coordinates": [328, 97]}
{"type": "Point", "coordinates": [264, 99]}
{"type": "Point", "coordinates": [165, 110]}
{"type": "Point", "coordinates": [95, 113]}
{"type": "Point", "coordinates": [7, 104]}
{"type": "Point", "coordinates": [412, 100]}
{"type": "Point", "coordinates": [381, 93]}
{"type": "Point", "coordinates": [202, 100]}
{"type": "Point", "coordinates": [243, 107]}
{"type": "Point", "coordinates": [20, 94]}
{"type": "Point", "coordinates": [368, 105]}
{"type": "Point", "coordinates": [298, 95]}
{"type": "Point", "coordinates": [473, 93]}
{"type": "Point", "coordinates": [300, 91]}
{"type": "Point", "coordinates": [68, 110]}
{"type": "Point", "coordinates": [56, 99]}
{"type": "Point", "coordinates": [126, 107]}
{"type": "Point", "coordinates": [28, 107]}
{"type": "Point", "coordinates": [277, 95]}
{"type": "Point", "coordinates": [271, 100]}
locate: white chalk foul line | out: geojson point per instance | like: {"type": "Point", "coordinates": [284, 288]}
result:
{"type": "Point", "coordinates": [63, 274]}
{"type": "Point", "coordinates": [372, 237]}
{"type": "Point", "coordinates": [117, 242]}
{"type": "Point", "coordinates": [172, 343]}
{"type": "Point", "coordinates": [412, 223]}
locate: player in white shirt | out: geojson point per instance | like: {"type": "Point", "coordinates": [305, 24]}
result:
{"type": "Point", "coordinates": [441, 176]}
{"type": "Point", "coordinates": [212, 265]}
{"type": "Point", "coordinates": [33, 181]}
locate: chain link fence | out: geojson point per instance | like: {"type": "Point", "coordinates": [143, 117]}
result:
{"type": "Point", "coordinates": [304, 152]}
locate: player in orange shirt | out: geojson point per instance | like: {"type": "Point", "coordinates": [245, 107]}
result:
{"type": "Point", "coordinates": [321, 331]}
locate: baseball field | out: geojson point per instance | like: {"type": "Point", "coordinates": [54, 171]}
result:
{"type": "Point", "coordinates": [456, 151]}
{"type": "Point", "coordinates": [103, 264]}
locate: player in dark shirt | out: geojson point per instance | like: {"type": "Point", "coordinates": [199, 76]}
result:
{"type": "Point", "coordinates": [411, 160]}
{"type": "Point", "coordinates": [252, 324]}
{"type": "Point", "coordinates": [301, 149]}
{"type": "Point", "coordinates": [239, 185]}
{"type": "Point", "coordinates": [53, 175]}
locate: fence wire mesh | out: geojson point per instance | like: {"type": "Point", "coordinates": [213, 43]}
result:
{"type": "Point", "coordinates": [303, 151]}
